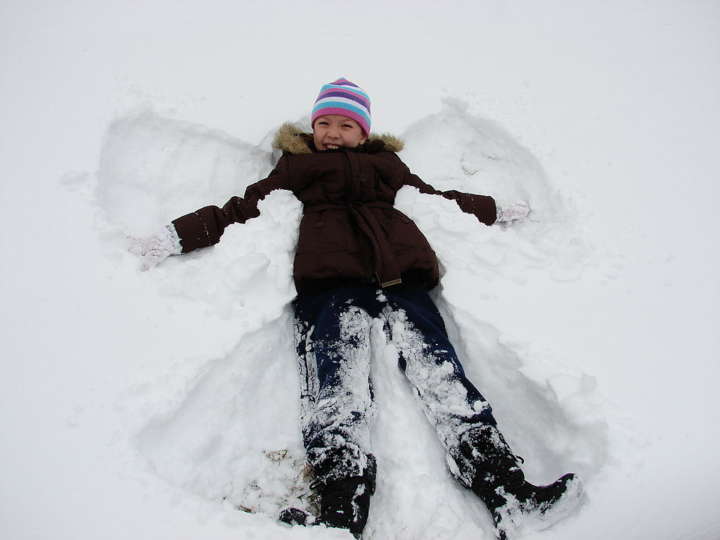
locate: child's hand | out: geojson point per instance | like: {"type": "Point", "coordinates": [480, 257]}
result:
{"type": "Point", "coordinates": [513, 212]}
{"type": "Point", "coordinates": [155, 249]}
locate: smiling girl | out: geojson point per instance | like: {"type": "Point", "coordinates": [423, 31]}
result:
{"type": "Point", "coordinates": [358, 258]}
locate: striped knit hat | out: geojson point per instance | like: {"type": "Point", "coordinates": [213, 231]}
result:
{"type": "Point", "coordinates": [344, 98]}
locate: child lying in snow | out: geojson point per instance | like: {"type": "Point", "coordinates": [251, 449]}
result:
{"type": "Point", "coordinates": [359, 258]}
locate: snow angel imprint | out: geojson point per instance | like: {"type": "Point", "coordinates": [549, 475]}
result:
{"type": "Point", "coordinates": [359, 258]}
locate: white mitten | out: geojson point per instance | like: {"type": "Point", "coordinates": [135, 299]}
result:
{"type": "Point", "coordinates": [156, 248]}
{"type": "Point", "coordinates": [513, 212]}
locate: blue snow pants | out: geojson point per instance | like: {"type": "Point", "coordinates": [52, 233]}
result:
{"type": "Point", "coordinates": [333, 332]}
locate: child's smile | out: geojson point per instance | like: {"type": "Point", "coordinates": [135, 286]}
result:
{"type": "Point", "coordinates": [334, 131]}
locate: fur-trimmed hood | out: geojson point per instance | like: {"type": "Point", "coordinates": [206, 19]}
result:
{"type": "Point", "coordinates": [290, 138]}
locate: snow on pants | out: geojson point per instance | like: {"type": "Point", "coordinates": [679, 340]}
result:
{"type": "Point", "coordinates": [332, 331]}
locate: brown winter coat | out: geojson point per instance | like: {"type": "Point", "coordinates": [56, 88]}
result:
{"type": "Point", "coordinates": [350, 231]}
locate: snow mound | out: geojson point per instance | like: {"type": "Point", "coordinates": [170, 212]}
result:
{"type": "Point", "coordinates": [453, 149]}
{"type": "Point", "coordinates": [154, 169]}
{"type": "Point", "coordinates": [234, 434]}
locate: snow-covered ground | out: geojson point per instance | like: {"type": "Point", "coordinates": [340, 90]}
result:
{"type": "Point", "coordinates": [153, 404]}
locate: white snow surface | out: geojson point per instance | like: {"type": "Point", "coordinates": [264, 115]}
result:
{"type": "Point", "coordinates": [163, 404]}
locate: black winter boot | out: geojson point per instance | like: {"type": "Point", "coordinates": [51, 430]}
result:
{"type": "Point", "coordinates": [494, 474]}
{"type": "Point", "coordinates": [344, 503]}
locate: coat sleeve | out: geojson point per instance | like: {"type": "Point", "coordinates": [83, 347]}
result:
{"type": "Point", "coordinates": [205, 226]}
{"type": "Point", "coordinates": [481, 206]}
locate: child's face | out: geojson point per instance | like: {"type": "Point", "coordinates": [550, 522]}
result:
{"type": "Point", "coordinates": [334, 131]}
